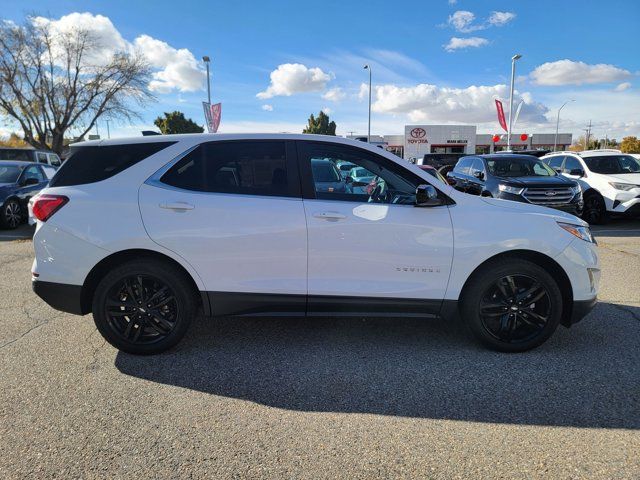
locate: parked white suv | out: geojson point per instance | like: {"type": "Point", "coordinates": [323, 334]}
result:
{"type": "Point", "coordinates": [610, 181]}
{"type": "Point", "coordinates": [143, 232]}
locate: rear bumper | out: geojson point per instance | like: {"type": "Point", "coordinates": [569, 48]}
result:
{"type": "Point", "coordinates": [61, 296]}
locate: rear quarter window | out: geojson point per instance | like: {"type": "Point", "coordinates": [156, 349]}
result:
{"type": "Point", "coordinates": [96, 163]}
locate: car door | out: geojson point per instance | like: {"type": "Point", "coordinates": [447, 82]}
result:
{"type": "Point", "coordinates": [460, 173]}
{"type": "Point", "coordinates": [31, 181]}
{"type": "Point", "coordinates": [572, 168]}
{"type": "Point", "coordinates": [477, 177]}
{"type": "Point", "coordinates": [373, 250]}
{"type": "Point", "coordinates": [233, 210]}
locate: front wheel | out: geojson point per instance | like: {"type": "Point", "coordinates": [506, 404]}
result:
{"type": "Point", "coordinates": [512, 305]}
{"type": "Point", "coordinates": [594, 211]}
{"type": "Point", "coordinates": [143, 306]}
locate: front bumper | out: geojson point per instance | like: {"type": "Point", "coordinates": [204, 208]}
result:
{"type": "Point", "coordinates": [580, 310]}
{"type": "Point", "coordinates": [63, 297]}
{"type": "Point", "coordinates": [574, 207]}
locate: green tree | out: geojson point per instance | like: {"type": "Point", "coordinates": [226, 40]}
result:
{"type": "Point", "coordinates": [175, 122]}
{"type": "Point", "coordinates": [320, 125]}
{"type": "Point", "coordinates": [630, 145]}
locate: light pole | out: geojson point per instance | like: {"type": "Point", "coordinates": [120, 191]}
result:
{"type": "Point", "coordinates": [513, 76]}
{"type": "Point", "coordinates": [108, 131]}
{"type": "Point", "coordinates": [555, 140]}
{"type": "Point", "coordinates": [207, 60]}
{"type": "Point", "coordinates": [368, 67]}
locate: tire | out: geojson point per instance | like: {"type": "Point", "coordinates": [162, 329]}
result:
{"type": "Point", "coordinates": [492, 310]}
{"type": "Point", "coordinates": [144, 306]}
{"type": "Point", "coordinates": [11, 214]}
{"type": "Point", "coordinates": [594, 211]}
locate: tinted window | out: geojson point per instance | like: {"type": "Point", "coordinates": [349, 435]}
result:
{"type": "Point", "coordinates": [16, 154]}
{"type": "Point", "coordinates": [464, 165]}
{"type": "Point", "coordinates": [477, 166]}
{"type": "Point", "coordinates": [572, 164]}
{"type": "Point", "coordinates": [251, 168]}
{"type": "Point", "coordinates": [33, 171]}
{"type": "Point", "coordinates": [613, 164]}
{"type": "Point", "coordinates": [49, 171]}
{"type": "Point", "coordinates": [97, 163]}
{"type": "Point", "coordinates": [42, 157]}
{"type": "Point", "coordinates": [9, 173]}
{"type": "Point", "coordinates": [519, 167]}
{"type": "Point", "coordinates": [379, 180]}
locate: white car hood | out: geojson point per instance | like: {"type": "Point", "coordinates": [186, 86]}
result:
{"type": "Point", "coordinates": [627, 178]}
{"type": "Point", "coordinates": [528, 208]}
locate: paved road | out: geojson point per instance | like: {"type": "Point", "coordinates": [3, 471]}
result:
{"type": "Point", "coordinates": [322, 398]}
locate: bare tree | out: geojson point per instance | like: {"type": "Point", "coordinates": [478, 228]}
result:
{"type": "Point", "coordinates": [52, 80]}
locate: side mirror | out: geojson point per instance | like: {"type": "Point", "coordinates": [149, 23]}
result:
{"type": "Point", "coordinates": [577, 171]}
{"type": "Point", "coordinates": [30, 181]}
{"type": "Point", "coordinates": [558, 170]}
{"type": "Point", "coordinates": [479, 175]}
{"type": "Point", "coordinates": [348, 179]}
{"type": "Point", "coordinates": [451, 181]}
{"type": "Point", "coordinates": [427, 196]}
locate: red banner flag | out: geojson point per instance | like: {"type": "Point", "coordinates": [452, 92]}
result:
{"type": "Point", "coordinates": [216, 115]}
{"type": "Point", "coordinates": [503, 122]}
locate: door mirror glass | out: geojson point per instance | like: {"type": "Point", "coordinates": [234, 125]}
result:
{"type": "Point", "coordinates": [30, 181]}
{"type": "Point", "coordinates": [427, 196]}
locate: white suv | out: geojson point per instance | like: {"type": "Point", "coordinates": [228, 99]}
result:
{"type": "Point", "coordinates": [610, 181]}
{"type": "Point", "coordinates": [144, 232]}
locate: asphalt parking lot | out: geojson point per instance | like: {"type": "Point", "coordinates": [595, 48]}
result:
{"type": "Point", "coordinates": [302, 398]}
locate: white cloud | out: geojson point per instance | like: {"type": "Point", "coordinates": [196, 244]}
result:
{"type": "Point", "coordinates": [363, 92]}
{"type": "Point", "coordinates": [452, 2]}
{"type": "Point", "coordinates": [622, 87]}
{"type": "Point", "coordinates": [291, 78]}
{"type": "Point", "coordinates": [327, 110]}
{"type": "Point", "coordinates": [474, 104]}
{"type": "Point", "coordinates": [498, 19]}
{"type": "Point", "coordinates": [462, 21]}
{"type": "Point", "coordinates": [334, 95]}
{"type": "Point", "coordinates": [472, 42]}
{"type": "Point", "coordinates": [174, 69]}
{"type": "Point", "coordinates": [267, 108]}
{"type": "Point", "coordinates": [568, 72]}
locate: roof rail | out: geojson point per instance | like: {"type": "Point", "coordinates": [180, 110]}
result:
{"type": "Point", "coordinates": [561, 151]}
{"type": "Point", "coordinates": [615, 150]}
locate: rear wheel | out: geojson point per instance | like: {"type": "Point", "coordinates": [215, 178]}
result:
{"type": "Point", "coordinates": [512, 305]}
{"type": "Point", "coordinates": [143, 306]}
{"type": "Point", "coordinates": [11, 214]}
{"type": "Point", "coordinates": [594, 211]}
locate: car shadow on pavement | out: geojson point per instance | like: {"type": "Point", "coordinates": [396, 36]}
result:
{"type": "Point", "coordinates": [587, 376]}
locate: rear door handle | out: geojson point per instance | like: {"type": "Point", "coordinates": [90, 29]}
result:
{"type": "Point", "coordinates": [177, 206]}
{"type": "Point", "coordinates": [330, 215]}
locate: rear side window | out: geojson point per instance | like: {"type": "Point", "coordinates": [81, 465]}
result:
{"type": "Point", "coordinates": [97, 163]}
{"type": "Point", "coordinates": [249, 168]}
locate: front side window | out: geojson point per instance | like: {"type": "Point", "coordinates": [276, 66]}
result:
{"type": "Point", "coordinates": [463, 166]}
{"type": "Point", "coordinates": [572, 164]}
{"type": "Point", "coordinates": [613, 164]}
{"type": "Point", "coordinates": [42, 157]}
{"type": "Point", "coordinates": [49, 171]}
{"type": "Point", "coordinates": [54, 160]}
{"type": "Point", "coordinates": [477, 167]}
{"type": "Point", "coordinates": [556, 162]}
{"type": "Point", "coordinates": [243, 167]}
{"type": "Point", "coordinates": [32, 171]}
{"type": "Point", "coordinates": [372, 179]}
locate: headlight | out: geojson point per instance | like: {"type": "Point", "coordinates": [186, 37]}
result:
{"type": "Point", "coordinates": [509, 189]}
{"type": "Point", "coordinates": [623, 186]}
{"type": "Point", "coordinates": [583, 233]}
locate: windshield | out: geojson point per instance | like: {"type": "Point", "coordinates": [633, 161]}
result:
{"type": "Point", "coordinates": [15, 155]}
{"type": "Point", "coordinates": [361, 172]}
{"type": "Point", "coordinates": [325, 171]}
{"type": "Point", "coordinates": [613, 164]}
{"type": "Point", "coordinates": [9, 174]}
{"type": "Point", "coordinates": [519, 167]}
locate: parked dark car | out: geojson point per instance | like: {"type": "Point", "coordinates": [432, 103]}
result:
{"type": "Point", "coordinates": [29, 155]}
{"type": "Point", "coordinates": [327, 177]}
{"type": "Point", "coordinates": [443, 162]}
{"type": "Point", "coordinates": [522, 178]}
{"type": "Point", "coordinates": [19, 181]}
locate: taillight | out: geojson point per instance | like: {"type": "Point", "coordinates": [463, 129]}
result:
{"type": "Point", "coordinates": [46, 205]}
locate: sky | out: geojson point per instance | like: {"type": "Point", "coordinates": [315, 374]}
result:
{"type": "Point", "coordinates": [273, 63]}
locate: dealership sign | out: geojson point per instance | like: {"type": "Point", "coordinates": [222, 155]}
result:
{"type": "Point", "coordinates": [418, 135]}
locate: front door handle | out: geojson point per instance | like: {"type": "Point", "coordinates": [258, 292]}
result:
{"type": "Point", "coordinates": [177, 206]}
{"type": "Point", "coordinates": [330, 215]}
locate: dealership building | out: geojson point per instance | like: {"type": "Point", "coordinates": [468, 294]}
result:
{"type": "Point", "coordinates": [420, 139]}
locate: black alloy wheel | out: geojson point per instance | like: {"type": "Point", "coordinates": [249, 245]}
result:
{"type": "Point", "coordinates": [515, 309]}
{"type": "Point", "coordinates": [144, 306]}
{"type": "Point", "coordinates": [594, 211]}
{"type": "Point", "coordinates": [11, 214]}
{"type": "Point", "coordinates": [141, 309]}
